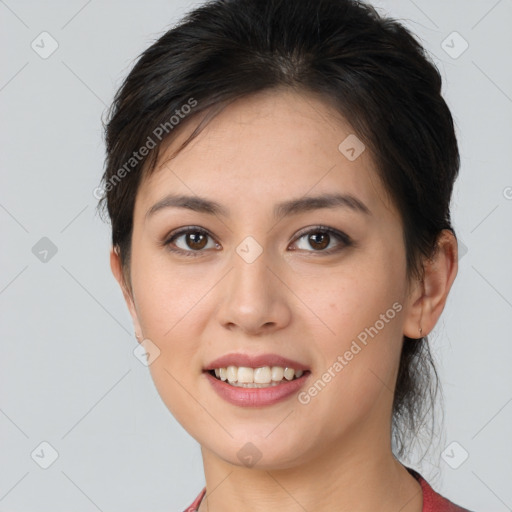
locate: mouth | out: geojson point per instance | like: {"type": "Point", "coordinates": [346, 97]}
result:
{"type": "Point", "coordinates": [262, 377]}
{"type": "Point", "coordinates": [256, 380]}
{"type": "Point", "coordinates": [241, 386]}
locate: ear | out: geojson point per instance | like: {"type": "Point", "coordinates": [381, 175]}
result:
{"type": "Point", "coordinates": [428, 297]}
{"type": "Point", "coordinates": [117, 270]}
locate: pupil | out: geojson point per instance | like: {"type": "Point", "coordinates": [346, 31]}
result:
{"type": "Point", "coordinates": [193, 242]}
{"type": "Point", "coordinates": [319, 245]}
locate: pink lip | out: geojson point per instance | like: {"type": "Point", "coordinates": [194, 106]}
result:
{"type": "Point", "coordinates": [256, 397]}
{"type": "Point", "coordinates": [256, 361]}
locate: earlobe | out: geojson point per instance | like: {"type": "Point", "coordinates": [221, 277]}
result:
{"type": "Point", "coordinates": [429, 296]}
{"type": "Point", "coordinates": [414, 311]}
{"type": "Point", "coordinates": [117, 271]}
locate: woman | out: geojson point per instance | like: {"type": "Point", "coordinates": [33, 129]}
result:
{"type": "Point", "coordinates": [278, 179]}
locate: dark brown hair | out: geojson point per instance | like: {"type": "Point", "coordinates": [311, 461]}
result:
{"type": "Point", "coordinates": [369, 68]}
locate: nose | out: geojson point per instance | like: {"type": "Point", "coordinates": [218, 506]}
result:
{"type": "Point", "coordinates": [253, 297]}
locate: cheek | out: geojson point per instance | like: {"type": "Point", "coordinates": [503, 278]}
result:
{"type": "Point", "coordinates": [356, 366]}
{"type": "Point", "coordinates": [352, 298]}
{"type": "Point", "coordinates": [364, 330]}
{"type": "Point", "coordinates": [170, 305]}
{"type": "Point", "coordinates": [171, 312]}
{"type": "Point", "coordinates": [169, 295]}
{"type": "Point", "coordinates": [359, 353]}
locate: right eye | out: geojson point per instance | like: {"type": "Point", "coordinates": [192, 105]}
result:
{"type": "Point", "coordinates": [193, 240]}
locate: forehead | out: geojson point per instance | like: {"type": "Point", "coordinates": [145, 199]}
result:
{"type": "Point", "coordinates": [265, 148]}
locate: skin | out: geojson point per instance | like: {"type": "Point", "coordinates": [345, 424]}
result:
{"type": "Point", "coordinates": [333, 453]}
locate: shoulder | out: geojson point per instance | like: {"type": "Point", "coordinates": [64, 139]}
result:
{"type": "Point", "coordinates": [432, 501]}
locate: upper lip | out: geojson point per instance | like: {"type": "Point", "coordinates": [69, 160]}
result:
{"type": "Point", "coordinates": [254, 361]}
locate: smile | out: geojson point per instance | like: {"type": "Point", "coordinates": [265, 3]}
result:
{"type": "Point", "coordinates": [264, 376]}
{"type": "Point", "coordinates": [253, 394]}
{"type": "Point", "coordinates": [255, 380]}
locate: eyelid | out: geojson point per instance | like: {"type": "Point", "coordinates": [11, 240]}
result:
{"type": "Point", "coordinates": [324, 229]}
{"type": "Point", "coordinates": [183, 231]}
{"type": "Point", "coordinates": [341, 236]}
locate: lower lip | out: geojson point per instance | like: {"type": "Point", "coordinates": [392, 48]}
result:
{"type": "Point", "coordinates": [256, 397]}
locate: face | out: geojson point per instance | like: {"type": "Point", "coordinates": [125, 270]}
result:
{"type": "Point", "coordinates": [323, 285]}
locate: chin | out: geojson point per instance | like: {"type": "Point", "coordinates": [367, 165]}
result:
{"type": "Point", "coordinates": [262, 453]}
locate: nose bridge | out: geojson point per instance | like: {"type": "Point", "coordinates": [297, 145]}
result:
{"type": "Point", "coordinates": [254, 297]}
{"type": "Point", "coordinates": [250, 275]}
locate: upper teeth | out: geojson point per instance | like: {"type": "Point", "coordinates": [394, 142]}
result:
{"type": "Point", "coordinates": [263, 375]}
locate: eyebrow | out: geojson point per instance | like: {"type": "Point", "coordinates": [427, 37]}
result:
{"type": "Point", "coordinates": [285, 208]}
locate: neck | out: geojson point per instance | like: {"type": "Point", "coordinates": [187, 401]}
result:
{"type": "Point", "coordinates": [348, 477]}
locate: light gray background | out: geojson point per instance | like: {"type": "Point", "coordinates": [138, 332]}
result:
{"type": "Point", "coordinates": [68, 373]}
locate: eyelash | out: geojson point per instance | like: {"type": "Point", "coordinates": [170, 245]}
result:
{"type": "Point", "coordinates": [342, 237]}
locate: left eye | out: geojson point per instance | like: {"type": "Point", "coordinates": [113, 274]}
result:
{"type": "Point", "coordinates": [320, 238]}
{"type": "Point", "coordinates": [194, 240]}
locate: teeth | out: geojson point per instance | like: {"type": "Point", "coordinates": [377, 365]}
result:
{"type": "Point", "coordinates": [277, 373]}
{"type": "Point", "coordinates": [262, 375]}
{"type": "Point", "coordinates": [232, 373]}
{"type": "Point", "coordinates": [245, 375]}
{"type": "Point", "coordinates": [256, 377]}
{"type": "Point", "coordinates": [289, 373]}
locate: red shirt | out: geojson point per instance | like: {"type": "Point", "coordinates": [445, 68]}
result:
{"type": "Point", "coordinates": [432, 502]}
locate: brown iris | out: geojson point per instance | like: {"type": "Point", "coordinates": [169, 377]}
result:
{"type": "Point", "coordinates": [319, 240]}
{"type": "Point", "coordinates": [196, 240]}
